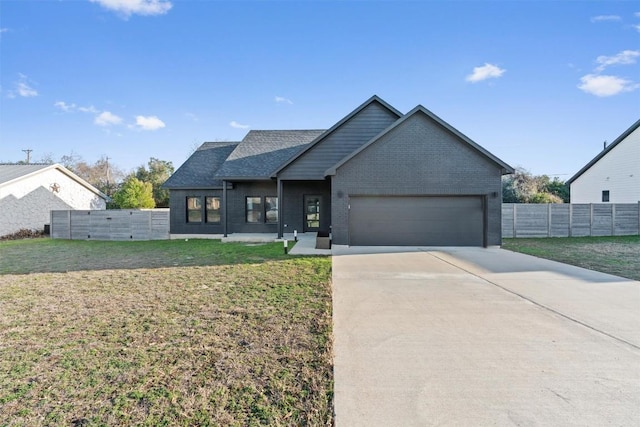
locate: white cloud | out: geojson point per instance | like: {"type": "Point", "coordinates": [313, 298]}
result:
{"type": "Point", "coordinates": [603, 86]}
{"type": "Point", "coordinates": [623, 58]}
{"type": "Point", "coordinates": [283, 100]}
{"type": "Point", "coordinates": [64, 106]}
{"type": "Point", "coordinates": [26, 91]}
{"type": "Point", "coordinates": [90, 109]}
{"type": "Point", "coordinates": [136, 7]}
{"type": "Point", "coordinates": [107, 119]}
{"type": "Point", "coordinates": [22, 88]}
{"type": "Point", "coordinates": [237, 125]}
{"type": "Point", "coordinates": [149, 123]}
{"type": "Point", "coordinates": [72, 108]}
{"type": "Point", "coordinates": [601, 18]}
{"type": "Point", "coordinates": [487, 71]}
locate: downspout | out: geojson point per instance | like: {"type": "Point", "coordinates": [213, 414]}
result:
{"type": "Point", "coordinates": [280, 203]}
{"type": "Point", "coordinates": [224, 207]}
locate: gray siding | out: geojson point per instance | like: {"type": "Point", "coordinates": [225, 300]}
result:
{"type": "Point", "coordinates": [419, 157]}
{"type": "Point", "coordinates": [236, 206]}
{"type": "Point", "coordinates": [293, 208]}
{"type": "Point", "coordinates": [354, 133]}
{"type": "Point", "coordinates": [178, 206]}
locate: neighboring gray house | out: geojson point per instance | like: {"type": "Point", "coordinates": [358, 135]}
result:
{"type": "Point", "coordinates": [377, 177]}
{"type": "Point", "coordinates": [613, 176]}
{"type": "Point", "coordinates": [28, 193]}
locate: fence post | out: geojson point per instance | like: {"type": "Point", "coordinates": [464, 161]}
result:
{"type": "Point", "coordinates": [590, 219]}
{"type": "Point", "coordinates": [515, 229]}
{"type": "Point", "coordinates": [570, 219]}
{"type": "Point", "coordinates": [548, 219]}
{"type": "Point", "coordinates": [613, 219]}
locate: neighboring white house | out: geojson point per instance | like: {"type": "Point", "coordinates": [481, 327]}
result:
{"type": "Point", "coordinates": [28, 193]}
{"type": "Point", "coordinates": [613, 176]}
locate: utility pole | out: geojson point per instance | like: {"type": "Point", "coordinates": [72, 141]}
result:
{"type": "Point", "coordinates": [108, 185]}
{"type": "Point", "coordinates": [28, 151]}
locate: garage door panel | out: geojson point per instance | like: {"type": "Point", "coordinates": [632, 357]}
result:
{"type": "Point", "coordinates": [416, 221]}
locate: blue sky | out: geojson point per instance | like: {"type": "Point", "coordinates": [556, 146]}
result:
{"type": "Point", "coordinates": [541, 84]}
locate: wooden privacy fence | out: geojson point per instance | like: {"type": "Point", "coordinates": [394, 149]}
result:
{"type": "Point", "coordinates": [122, 224]}
{"type": "Point", "coordinates": [566, 220]}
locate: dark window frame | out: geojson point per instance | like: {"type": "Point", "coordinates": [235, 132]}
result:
{"type": "Point", "coordinates": [261, 212]}
{"type": "Point", "coordinates": [253, 215]}
{"type": "Point", "coordinates": [606, 196]}
{"type": "Point", "coordinates": [271, 205]}
{"type": "Point", "coordinates": [191, 211]}
{"type": "Point", "coordinates": [208, 213]}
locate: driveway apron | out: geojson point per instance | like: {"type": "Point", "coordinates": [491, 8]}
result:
{"type": "Point", "coordinates": [471, 336]}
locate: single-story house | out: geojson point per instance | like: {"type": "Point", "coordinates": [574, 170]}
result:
{"type": "Point", "coordinates": [376, 177]}
{"type": "Point", "coordinates": [28, 193]}
{"type": "Point", "coordinates": [613, 176]}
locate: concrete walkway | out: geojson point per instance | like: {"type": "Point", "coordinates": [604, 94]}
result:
{"type": "Point", "coordinates": [473, 337]}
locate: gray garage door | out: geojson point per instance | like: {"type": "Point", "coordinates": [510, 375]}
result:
{"type": "Point", "coordinates": [416, 221]}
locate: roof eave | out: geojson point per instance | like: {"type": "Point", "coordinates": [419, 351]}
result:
{"type": "Point", "coordinates": [505, 168]}
{"type": "Point", "coordinates": [374, 98]}
{"type": "Point", "coordinates": [604, 152]}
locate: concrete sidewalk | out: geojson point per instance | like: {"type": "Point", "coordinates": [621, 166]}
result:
{"type": "Point", "coordinates": [470, 336]}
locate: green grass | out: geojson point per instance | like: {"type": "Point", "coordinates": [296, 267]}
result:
{"type": "Point", "coordinates": [233, 335]}
{"type": "Point", "coordinates": [618, 255]}
{"type": "Point", "coordinates": [49, 255]}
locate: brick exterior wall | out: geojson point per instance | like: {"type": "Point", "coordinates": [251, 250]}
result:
{"type": "Point", "coordinates": [27, 203]}
{"type": "Point", "coordinates": [419, 157]}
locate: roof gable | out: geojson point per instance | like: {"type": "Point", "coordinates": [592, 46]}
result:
{"type": "Point", "coordinates": [10, 174]}
{"type": "Point", "coordinates": [198, 171]}
{"type": "Point", "coordinates": [604, 152]}
{"type": "Point", "coordinates": [381, 115]}
{"type": "Point", "coordinates": [506, 169]}
{"type": "Point", "coordinates": [261, 152]}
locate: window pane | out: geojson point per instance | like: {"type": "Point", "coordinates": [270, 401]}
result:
{"type": "Point", "coordinates": [254, 209]}
{"type": "Point", "coordinates": [194, 209]}
{"type": "Point", "coordinates": [271, 209]}
{"type": "Point", "coordinates": [213, 209]}
{"type": "Point", "coordinates": [605, 196]}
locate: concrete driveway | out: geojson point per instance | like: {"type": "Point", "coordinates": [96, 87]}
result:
{"type": "Point", "coordinates": [473, 337]}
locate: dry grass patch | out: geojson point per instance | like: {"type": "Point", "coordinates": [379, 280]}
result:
{"type": "Point", "coordinates": [614, 255]}
{"type": "Point", "coordinates": [234, 345]}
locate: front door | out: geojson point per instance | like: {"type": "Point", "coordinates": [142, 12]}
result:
{"type": "Point", "coordinates": [312, 208]}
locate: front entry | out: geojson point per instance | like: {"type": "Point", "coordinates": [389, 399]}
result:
{"type": "Point", "coordinates": [312, 209]}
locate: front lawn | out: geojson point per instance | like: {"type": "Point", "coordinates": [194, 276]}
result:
{"type": "Point", "coordinates": [618, 255]}
{"type": "Point", "coordinates": [163, 333]}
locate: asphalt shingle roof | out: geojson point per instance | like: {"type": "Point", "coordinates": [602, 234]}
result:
{"type": "Point", "coordinates": [261, 152]}
{"type": "Point", "coordinates": [11, 172]}
{"type": "Point", "coordinates": [200, 168]}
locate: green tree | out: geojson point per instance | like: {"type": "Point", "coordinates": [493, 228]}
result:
{"type": "Point", "coordinates": [157, 173]}
{"type": "Point", "coordinates": [559, 188]}
{"type": "Point", "coordinates": [523, 187]}
{"type": "Point", "coordinates": [134, 194]}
